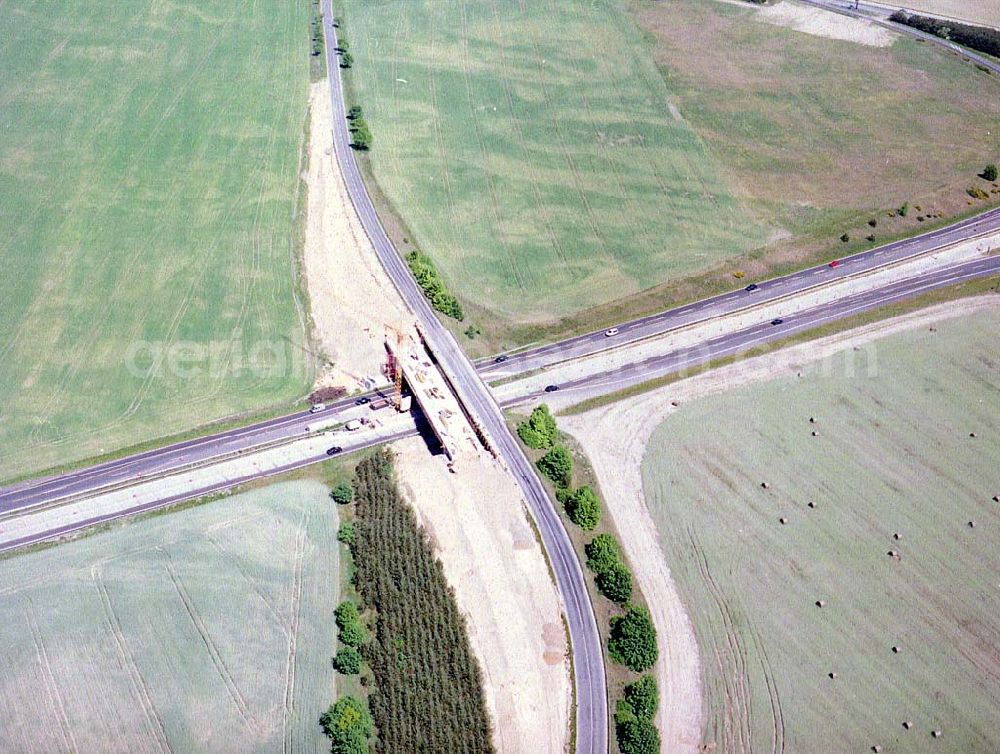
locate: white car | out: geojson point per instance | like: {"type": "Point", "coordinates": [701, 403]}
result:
{"type": "Point", "coordinates": [610, 333]}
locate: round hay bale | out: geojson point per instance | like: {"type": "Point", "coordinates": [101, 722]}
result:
{"type": "Point", "coordinates": [877, 749]}
{"type": "Point", "coordinates": [896, 649]}
{"type": "Point", "coordinates": [936, 733]}
{"type": "Point", "coordinates": [815, 433]}
{"type": "Point", "coordinates": [675, 404]}
{"type": "Point", "coordinates": [972, 524]}
{"type": "Point", "coordinates": [820, 603]}
{"type": "Point", "coordinates": [972, 434]}
{"type": "Point", "coordinates": [897, 536]}
{"type": "Point", "coordinates": [892, 554]}
{"type": "Point", "coordinates": [832, 675]}
{"type": "Point", "coordinates": [907, 724]}
{"type": "Point", "coordinates": [811, 504]}
{"type": "Point", "coordinates": [812, 419]}
{"type": "Point", "coordinates": [765, 485]}
{"type": "Point", "coordinates": [996, 498]}
{"type": "Point", "coordinates": [782, 520]}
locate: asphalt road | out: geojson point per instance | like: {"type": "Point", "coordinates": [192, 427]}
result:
{"type": "Point", "coordinates": [588, 661]}
{"type": "Point", "coordinates": [733, 301]}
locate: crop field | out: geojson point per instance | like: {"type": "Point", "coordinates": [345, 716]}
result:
{"type": "Point", "coordinates": [813, 130]}
{"type": "Point", "coordinates": [209, 629]}
{"type": "Point", "coordinates": [542, 172]}
{"type": "Point", "coordinates": [148, 199]}
{"type": "Point", "coordinates": [911, 638]}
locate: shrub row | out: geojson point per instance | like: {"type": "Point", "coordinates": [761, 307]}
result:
{"type": "Point", "coordinates": [976, 37]}
{"type": "Point", "coordinates": [432, 285]}
{"type": "Point", "coordinates": [428, 692]}
{"type": "Point", "coordinates": [614, 579]}
{"type": "Point", "coordinates": [361, 136]}
{"type": "Point", "coordinates": [634, 713]}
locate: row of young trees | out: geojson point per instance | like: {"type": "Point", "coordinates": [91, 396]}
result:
{"type": "Point", "coordinates": [978, 38]}
{"type": "Point", "coordinates": [427, 693]}
{"type": "Point", "coordinates": [632, 636]}
{"type": "Point", "coordinates": [361, 136]}
{"type": "Point", "coordinates": [433, 286]}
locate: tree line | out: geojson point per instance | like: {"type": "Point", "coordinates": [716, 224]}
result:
{"type": "Point", "coordinates": [976, 37]}
{"type": "Point", "coordinates": [433, 286]}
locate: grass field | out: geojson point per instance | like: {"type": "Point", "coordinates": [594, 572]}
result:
{"type": "Point", "coordinates": [893, 454]}
{"type": "Point", "coordinates": [543, 172]}
{"type": "Point", "coordinates": [209, 629]}
{"type": "Point", "coordinates": [815, 130]}
{"type": "Point", "coordinates": [148, 200]}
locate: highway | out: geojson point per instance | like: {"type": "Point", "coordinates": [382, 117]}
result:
{"type": "Point", "coordinates": [467, 381]}
{"type": "Point", "coordinates": [588, 660]}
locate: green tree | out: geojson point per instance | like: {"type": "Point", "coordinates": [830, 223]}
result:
{"type": "Point", "coordinates": [361, 137]}
{"type": "Point", "coordinates": [557, 465]}
{"type": "Point", "coordinates": [990, 172]}
{"type": "Point", "coordinates": [354, 113]}
{"type": "Point", "coordinates": [539, 431]}
{"type": "Point", "coordinates": [349, 724]}
{"type": "Point", "coordinates": [633, 640]}
{"type": "Point", "coordinates": [346, 60]}
{"type": "Point", "coordinates": [347, 533]}
{"type": "Point", "coordinates": [638, 737]}
{"type": "Point", "coordinates": [643, 697]}
{"type": "Point", "coordinates": [342, 494]}
{"type": "Point", "coordinates": [615, 583]}
{"type": "Point", "coordinates": [602, 553]}
{"type": "Point", "coordinates": [347, 661]}
{"type": "Point", "coordinates": [345, 613]}
{"type": "Point", "coordinates": [583, 507]}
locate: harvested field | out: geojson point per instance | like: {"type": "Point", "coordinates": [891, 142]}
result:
{"type": "Point", "coordinates": [542, 173]}
{"type": "Point", "coordinates": [985, 12]}
{"type": "Point", "coordinates": [874, 603]}
{"type": "Point", "coordinates": [209, 629]}
{"type": "Point", "coordinates": [148, 215]}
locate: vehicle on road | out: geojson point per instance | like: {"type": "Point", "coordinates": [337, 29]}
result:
{"type": "Point", "coordinates": [611, 332]}
{"type": "Point", "coordinates": [834, 263]}
{"type": "Point", "coordinates": [334, 450]}
{"type": "Point", "coordinates": [752, 287]}
{"type": "Point", "coordinates": [551, 388]}
{"type": "Point", "coordinates": [777, 321]}
{"type": "Point", "coordinates": [317, 407]}
{"type": "Point", "coordinates": [362, 400]}
{"type": "Point", "coordinates": [500, 359]}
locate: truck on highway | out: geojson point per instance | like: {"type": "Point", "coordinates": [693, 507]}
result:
{"type": "Point", "coordinates": [322, 424]}
{"type": "Point", "coordinates": [353, 425]}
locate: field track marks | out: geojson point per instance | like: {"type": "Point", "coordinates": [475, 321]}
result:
{"type": "Point", "coordinates": [51, 685]}
{"type": "Point", "coordinates": [777, 716]}
{"type": "Point", "coordinates": [487, 174]}
{"type": "Point", "coordinates": [139, 687]}
{"type": "Point", "coordinates": [249, 581]}
{"type": "Point", "coordinates": [737, 719]}
{"type": "Point", "coordinates": [528, 162]}
{"type": "Point", "coordinates": [301, 539]}
{"type": "Point", "coordinates": [213, 651]}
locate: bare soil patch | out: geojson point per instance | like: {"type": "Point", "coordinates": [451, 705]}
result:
{"type": "Point", "coordinates": [825, 24]}
{"type": "Point", "coordinates": [351, 298]}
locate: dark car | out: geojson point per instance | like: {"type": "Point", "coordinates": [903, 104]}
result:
{"type": "Point", "coordinates": [500, 359]}
{"type": "Point", "coordinates": [777, 321]}
{"type": "Point", "coordinates": [551, 388]}
{"type": "Point", "coordinates": [363, 400]}
{"type": "Point", "coordinates": [334, 450]}
{"type": "Point", "coordinates": [751, 287]}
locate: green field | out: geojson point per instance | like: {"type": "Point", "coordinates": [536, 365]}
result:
{"type": "Point", "coordinates": [893, 454]}
{"type": "Point", "coordinates": [148, 199]}
{"type": "Point", "coordinates": [210, 629]}
{"type": "Point", "coordinates": [531, 149]}
{"type": "Point", "coordinates": [815, 131]}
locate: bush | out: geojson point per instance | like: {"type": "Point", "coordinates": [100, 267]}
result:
{"type": "Point", "coordinates": [349, 724]}
{"type": "Point", "coordinates": [633, 640]}
{"type": "Point", "coordinates": [342, 494]}
{"type": "Point", "coordinates": [557, 465]}
{"type": "Point", "coordinates": [352, 633]}
{"type": "Point", "coordinates": [638, 737]}
{"type": "Point", "coordinates": [904, 210]}
{"type": "Point", "coordinates": [347, 661]}
{"type": "Point", "coordinates": [583, 507]}
{"type": "Point", "coordinates": [432, 285]}
{"type": "Point", "coordinates": [643, 697]}
{"type": "Point", "coordinates": [361, 137]}
{"type": "Point", "coordinates": [845, 238]}
{"type": "Point", "coordinates": [355, 112]}
{"type": "Point", "coordinates": [977, 193]}
{"type": "Point", "coordinates": [539, 431]}
{"type": "Point", "coordinates": [615, 583]}
{"type": "Point", "coordinates": [990, 172]}
{"type": "Point", "coordinates": [346, 533]}
{"type": "Point", "coordinates": [602, 553]}
{"type": "Point", "coordinates": [346, 60]}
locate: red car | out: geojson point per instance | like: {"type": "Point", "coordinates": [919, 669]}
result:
{"type": "Point", "coordinates": [835, 263]}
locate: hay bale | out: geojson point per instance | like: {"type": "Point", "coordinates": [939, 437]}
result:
{"type": "Point", "coordinates": [936, 733]}
{"type": "Point", "coordinates": [820, 603]}
{"type": "Point", "coordinates": [893, 554]}
{"type": "Point", "coordinates": [782, 520]}
{"type": "Point", "coordinates": [896, 649]}
{"type": "Point", "coordinates": [811, 504]}
{"type": "Point", "coordinates": [765, 485]}
{"type": "Point", "coordinates": [972, 434]}
{"type": "Point", "coordinates": [907, 724]}
{"type": "Point", "coordinates": [812, 419]}
{"type": "Point", "coordinates": [877, 749]}
{"type": "Point", "coordinates": [832, 675]}
{"type": "Point", "coordinates": [996, 498]}
{"type": "Point", "coordinates": [815, 433]}
{"type": "Point", "coordinates": [897, 536]}
{"type": "Point", "coordinates": [972, 524]}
